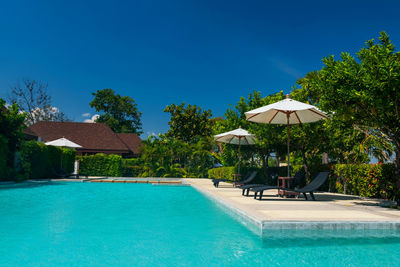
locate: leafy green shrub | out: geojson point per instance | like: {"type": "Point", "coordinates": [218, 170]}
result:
{"type": "Point", "coordinates": [368, 180]}
{"type": "Point", "coordinates": [3, 157]}
{"type": "Point", "coordinates": [222, 173]}
{"type": "Point", "coordinates": [33, 160]}
{"type": "Point", "coordinates": [132, 167]}
{"type": "Point", "coordinates": [100, 165]}
{"type": "Point", "coordinates": [68, 159]}
{"type": "Point", "coordinates": [39, 161]}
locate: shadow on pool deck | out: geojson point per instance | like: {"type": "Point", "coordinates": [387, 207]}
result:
{"type": "Point", "coordinates": [318, 196]}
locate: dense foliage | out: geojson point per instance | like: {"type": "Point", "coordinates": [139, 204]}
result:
{"type": "Point", "coordinates": [3, 157]}
{"type": "Point", "coordinates": [38, 161]}
{"type": "Point", "coordinates": [132, 167]}
{"type": "Point", "coordinates": [100, 165]}
{"type": "Point", "coordinates": [222, 173]}
{"type": "Point", "coordinates": [188, 123]}
{"type": "Point", "coordinates": [369, 180]}
{"type": "Point", "coordinates": [120, 112]}
{"type": "Point", "coordinates": [11, 125]}
{"type": "Point", "coordinates": [364, 92]}
{"type": "Point", "coordinates": [171, 157]}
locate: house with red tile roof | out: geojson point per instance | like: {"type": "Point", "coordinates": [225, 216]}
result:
{"type": "Point", "coordinates": [93, 137]}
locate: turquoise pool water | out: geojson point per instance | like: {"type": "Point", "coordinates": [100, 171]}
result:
{"type": "Point", "coordinates": [101, 224]}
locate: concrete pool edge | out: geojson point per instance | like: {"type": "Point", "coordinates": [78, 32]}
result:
{"type": "Point", "coordinates": [249, 221]}
{"type": "Point", "coordinates": [261, 227]}
{"type": "Point", "coordinates": [331, 225]}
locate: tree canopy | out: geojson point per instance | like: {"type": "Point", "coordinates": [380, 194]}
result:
{"type": "Point", "coordinates": [120, 113]}
{"type": "Point", "coordinates": [188, 123]}
{"type": "Point", "coordinates": [11, 125]}
{"type": "Point", "coordinates": [364, 91]}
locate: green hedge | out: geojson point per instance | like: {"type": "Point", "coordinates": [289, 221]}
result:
{"type": "Point", "coordinates": [39, 161]}
{"type": "Point", "coordinates": [110, 165]}
{"type": "Point", "coordinates": [100, 165]}
{"type": "Point", "coordinates": [222, 173]}
{"type": "Point", "coordinates": [132, 167]}
{"type": "Point", "coordinates": [68, 159]}
{"type": "Point", "coordinates": [368, 180]}
{"type": "Point", "coordinates": [3, 157]}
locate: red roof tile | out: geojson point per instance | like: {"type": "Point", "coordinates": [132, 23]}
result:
{"type": "Point", "coordinates": [94, 136]}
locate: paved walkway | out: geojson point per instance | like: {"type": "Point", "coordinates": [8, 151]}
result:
{"type": "Point", "coordinates": [330, 211]}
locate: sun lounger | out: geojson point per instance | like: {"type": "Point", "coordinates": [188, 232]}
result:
{"type": "Point", "coordinates": [248, 178]}
{"type": "Point", "coordinates": [246, 188]}
{"type": "Point", "coordinates": [298, 177]}
{"type": "Point", "coordinates": [318, 181]}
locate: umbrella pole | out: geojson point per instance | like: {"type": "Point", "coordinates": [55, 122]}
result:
{"type": "Point", "coordinates": [288, 145]}
{"type": "Point", "coordinates": [239, 156]}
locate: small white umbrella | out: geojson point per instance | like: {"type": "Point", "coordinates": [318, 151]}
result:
{"type": "Point", "coordinates": [63, 142]}
{"type": "Point", "coordinates": [236, 137]}
{"type": "Point", "coordinates": [287, 111]}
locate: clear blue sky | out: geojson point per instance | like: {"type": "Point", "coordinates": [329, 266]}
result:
{"type": "Point", "coordinates": [207, 53]}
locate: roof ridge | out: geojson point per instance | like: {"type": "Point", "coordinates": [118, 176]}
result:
{"type": "Point", "coordinates": [116, 134]}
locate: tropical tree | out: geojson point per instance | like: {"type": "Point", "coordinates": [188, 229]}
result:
{"type": "Point", "coordinates": [170, 157]}
{"type": "Point", "coordinates": [188, 122]}
{"type": "Point", "coordinates": [365, 90]}
{"type": "Point", "coordinates": [11, 126]}
{"type": "Point", "coordinates": [120, 113]}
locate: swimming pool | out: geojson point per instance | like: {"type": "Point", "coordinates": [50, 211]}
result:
{"type": "Point", "coordinates": [99, 224]}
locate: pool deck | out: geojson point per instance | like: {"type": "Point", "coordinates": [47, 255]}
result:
{"type": "Point", "coordinates": [330, 211]}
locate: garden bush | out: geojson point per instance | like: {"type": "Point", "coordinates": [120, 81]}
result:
{"type": "Point", "coordinates": [132, 167]}
{"type": "Point", "coordinates": [368, 180]}
{"type": "Point", "coordinates": [100, 165]}
{"type": "Point", "coordinates": [38, 161]}
{"type": "Point", "coordinates": [222, 173]}
{"type": "Point", "coordinates": [68, 159]}
{"type": "Point", "coordinates": [3, 157]}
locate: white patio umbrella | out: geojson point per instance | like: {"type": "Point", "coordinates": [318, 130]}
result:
{"type": "Point", "coordinates": [63, 142]}
{"type": "Point", "coordinates": [287, 111]}
{"type": "Point", "coordinates": [236, 137]}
